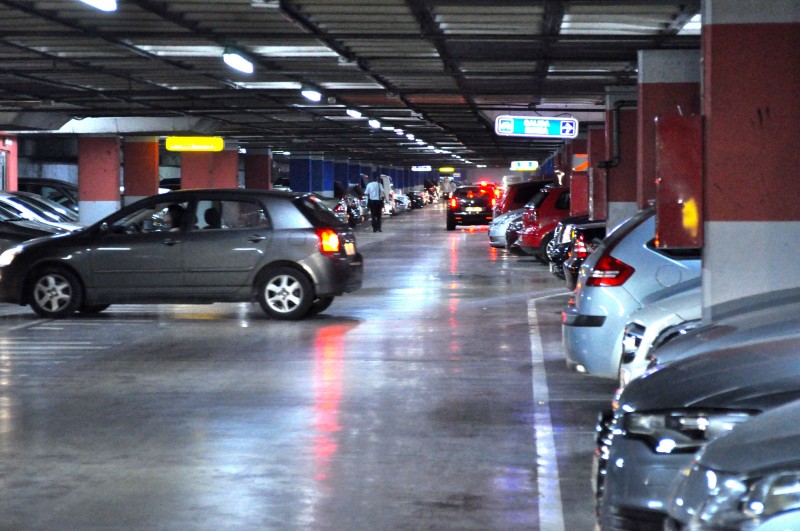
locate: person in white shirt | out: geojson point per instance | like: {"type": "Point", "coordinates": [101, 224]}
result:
{"type": "Point", "coordinates": [375, 197]}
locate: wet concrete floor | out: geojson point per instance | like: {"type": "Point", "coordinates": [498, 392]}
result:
{"type": "Point", "coordinates": [434, 398]}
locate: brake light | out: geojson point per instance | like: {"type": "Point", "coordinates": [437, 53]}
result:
{"type": "Point", "coordinates": [609, 272]}
{"type": "Point", "coordinates": [328, 241]}
{"type": "Point", "coordinates": [454, 202]}
{"type": "Point", "coordinates": [579, 247]}
{"type": "Point", "coordinates": [494, 201]}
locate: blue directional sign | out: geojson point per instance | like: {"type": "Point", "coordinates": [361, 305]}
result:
{"type": "Point", "coordinates": [536, 126]}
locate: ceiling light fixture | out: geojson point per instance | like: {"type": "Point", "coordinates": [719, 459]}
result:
{"type": "Point", "coordinates": [375, 124]}
{"type": "Point", "coordinates": [102, 5]}
{"type": "Point", "coordinates": [237, 61]}
{"type": "Point", "coordinates": [311, 94]}
{"type": "Point", "coordinates": [353, 113]}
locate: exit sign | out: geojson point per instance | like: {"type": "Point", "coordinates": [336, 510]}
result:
{"type": "Point", "coordinates": [536, 126]}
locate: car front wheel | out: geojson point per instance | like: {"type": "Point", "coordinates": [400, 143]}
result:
{"type": "Point", "coordinates": [285, 293]}
{"type": "Point", "coordinates": [55, 292]}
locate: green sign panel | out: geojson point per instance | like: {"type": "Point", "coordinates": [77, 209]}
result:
{"type": "Point", "coordinates": [536, 126]}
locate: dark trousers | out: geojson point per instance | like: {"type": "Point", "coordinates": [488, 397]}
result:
{"type": "Point", "coordinates": [375, 211]}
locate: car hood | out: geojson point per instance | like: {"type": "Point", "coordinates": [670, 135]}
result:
{"type": "Point", "coordinates": [764, 442]}
{"type": "Point", "coordinates": [753, 377]}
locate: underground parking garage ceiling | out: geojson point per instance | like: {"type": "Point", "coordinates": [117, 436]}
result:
{"type": "Point", "coordinates": [423, 79]}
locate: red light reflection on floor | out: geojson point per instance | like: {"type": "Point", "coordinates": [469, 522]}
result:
{"type": "Point", "coordinates": [328, 363]}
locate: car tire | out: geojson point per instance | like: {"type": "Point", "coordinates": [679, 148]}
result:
{"type": "Point", "coordinates": [320, 305]}
{"type": "Point", "coordinates": [285, 293]}
{"type": "Point", "coordinates": [541, 253]}
{"type": "Point", "coordinates": [92, 309]}
{"type": "Point", "coordinates": [451, 224]}
{"type": "Point", "coordinates": [54, 292]}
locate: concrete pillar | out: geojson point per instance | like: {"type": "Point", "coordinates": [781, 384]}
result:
{"type": "Point", "coordinates": [258, 169]}
{"type": "Point", "coordinates": [620, 163]}
{"type": "Point", "coordinates": [300, 174]}
{"type": "Point", "coordinates": [218, 169]}
{"type": "Point", "coordinates": [9, 153]}
{"type": "Point", "coordinates": [596, 148]}
{"type": "Point", "coordinates": [669, 84]}
{"type": "Point", "coordinates": [579, 177]}
{"type": "Point", "coordinates": [140, 156]}
{"type": "Point", "coordinates": [99, 164]}
{"type": "Point", "coordinates": [752, 123]}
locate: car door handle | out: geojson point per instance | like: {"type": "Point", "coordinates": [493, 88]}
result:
{"type": "Point", "coordinates": [170, 242]}
{"type": "Point", "coordinates": [255, 238]}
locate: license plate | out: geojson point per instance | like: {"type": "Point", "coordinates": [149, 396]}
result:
{"type": "Point", "coordinates": [349, 248]}
{"type": "Point", "coordinates": [474, 209]}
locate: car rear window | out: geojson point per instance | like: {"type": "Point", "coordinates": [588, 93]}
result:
{"type": "Point", "coordinates": [317, 213]}
{"type": "Point", "coordinates": [537, 200]}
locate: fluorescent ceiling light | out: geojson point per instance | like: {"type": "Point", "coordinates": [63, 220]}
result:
{"type": "Point", "coordinates": [353, 113]}
{"type": "Point", "coordinates": [375, 124]}
{"type": "Point", "coordinates": [237, 61]}
{"type": "Point", "coordinates": [398, 132]}
{"type": "Point", "coordinates": [102, 5]}
{"type": "Point", "coordinates": [410, 136]}
{"type": "Point", "coordinates": [311, 94]}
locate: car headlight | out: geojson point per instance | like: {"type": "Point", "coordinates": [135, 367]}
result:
{"type": "Point", "coordinates": [681, 431]}
{"type": "Point", "coordinates": [9, 254]}
{"type": "Point", "coordinates": [743, 502]}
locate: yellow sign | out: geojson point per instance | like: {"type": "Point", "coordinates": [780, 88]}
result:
{"type": "Point", "coordinates": [524, 165]}
{"type": "Point", "coordinates": [195, 143]}
{"type": "Point", "coordinates": [446, 169]}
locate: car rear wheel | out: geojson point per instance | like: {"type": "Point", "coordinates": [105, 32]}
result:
{"type": "Point", "coordinates": [320, 305]}
{"type": "Point", "coordinates": [285, 293]}
{"type": "Point", "coordinates": [451, 223]}
{"type": "Point", "coordinates": [54, 292]}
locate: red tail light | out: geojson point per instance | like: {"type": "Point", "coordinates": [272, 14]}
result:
{"type": "Point", "coordinates": [328, 241]}
{"type": "Point", "coordinates": [454, 202]}
{"type": "Point", "coordinates": [609, 272]}
{"type": "Point", "coordinates": [494, 201]}
{"type": "Point", "coordinates": [339, 208]}
{"type": "Point", "coordinates": [579, 247]}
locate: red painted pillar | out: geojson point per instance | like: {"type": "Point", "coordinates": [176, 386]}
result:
{"type": "Point", "coordinates": [752, 122]}
{"type": "Point", "coordinates": [9, 149]}
{"type": "Point", "coordinates": [258, 169]}
{"type": "Point", "coordinates": [669, 85]}
{"type": "Point", "coordinates": [210, 170]}
{"type": "Point", "coordinates": [140, 165]}
{"type": "Point", "coordinates": [620, 163]}
{"type": "Point", "coordinates": [98, 176]}
{"type": "Point", "coordinates": [579, 177]}
{"type": "Point", "coordinates": [597, 177]}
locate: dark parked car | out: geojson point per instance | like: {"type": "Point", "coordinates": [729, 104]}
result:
{"type": "Point", "coordinates": [14, 229]}
{"type": "Point", "coordinates": [417, 198]}
{"type": "Point", "coordinates": [285, 250]}
{"type": "Point", "coordinates": [470, 205]}
{"type": "Point", "coordinates": [62, 192]}
{"type": "Point", "coordinates": [662, 418]}
{"type": "Point", "coordinates": [584, 239]}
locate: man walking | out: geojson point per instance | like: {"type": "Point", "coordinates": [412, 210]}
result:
{"type": "Point", "coordinates": [375, 197]}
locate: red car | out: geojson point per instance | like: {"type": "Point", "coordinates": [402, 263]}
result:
{"type": "Point", "coordinates": [542, 213]}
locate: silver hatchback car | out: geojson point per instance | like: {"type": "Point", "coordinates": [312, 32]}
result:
{"type": "Point", "coordinates": [285, 250]}
{"type": "Point", "coordinates": [619, 277]}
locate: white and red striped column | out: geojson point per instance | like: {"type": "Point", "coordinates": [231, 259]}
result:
{"type": "Point", "coordinates": [751, 105]}
{"type": "Point", "coordinates": [669, 85]}
{"type": "Point", "coordinates": [98, 176]}
{"type": "Point", "coordinates": [140, 157]}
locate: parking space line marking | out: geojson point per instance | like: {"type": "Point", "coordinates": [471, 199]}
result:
{"type": "Point", "coordinates": [551, 512]}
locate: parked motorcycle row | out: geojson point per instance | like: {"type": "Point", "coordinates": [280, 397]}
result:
{"type": "Point", "coordinates": [702, 432]}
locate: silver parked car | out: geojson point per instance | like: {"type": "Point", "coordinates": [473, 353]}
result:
{"type": "Point", "coordinates": [285, 250]}
{"type": "Point", "coordinates": [748, 479]}
{"type": "Point", "coordinates": [499, 225]}
{"type": "Point", "coordinates": [662, 418]}
{"type": "Point", "coordinates": [655, 324]}
{"type": "Point", "coordinates": [615, 280]}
